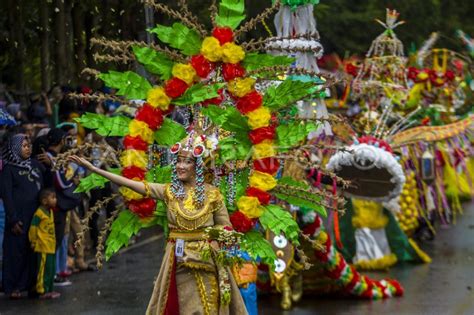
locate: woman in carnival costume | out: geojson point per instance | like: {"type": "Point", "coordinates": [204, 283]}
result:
{"type": "Point", "coordinates": [185, 276]}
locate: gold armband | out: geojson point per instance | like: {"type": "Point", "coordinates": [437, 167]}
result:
{"type": "Point", "coordinates": [147, 189]}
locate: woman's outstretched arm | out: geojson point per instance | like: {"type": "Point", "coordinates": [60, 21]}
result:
{"type": "Point", "coordinates": [139, 187]}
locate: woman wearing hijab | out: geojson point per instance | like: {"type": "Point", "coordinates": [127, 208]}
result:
{"type": "Point", "coordinates": [20, 182]}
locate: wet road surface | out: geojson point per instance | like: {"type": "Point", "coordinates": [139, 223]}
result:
{"type": "Point", "coordinates": [125, 283]}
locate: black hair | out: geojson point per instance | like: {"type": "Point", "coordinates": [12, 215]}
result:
{"type": "Point", "coordinates": [45, 193]}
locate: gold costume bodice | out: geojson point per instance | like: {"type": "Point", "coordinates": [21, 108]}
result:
{"type": "Point", "coordinates": [186, 215]}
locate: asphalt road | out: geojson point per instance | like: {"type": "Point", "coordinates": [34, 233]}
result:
{"type": "Point", "coordinates": [124, 285]}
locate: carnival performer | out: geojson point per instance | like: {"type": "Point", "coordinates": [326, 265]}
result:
{"type": "Point", "coordinates": [185, 277]}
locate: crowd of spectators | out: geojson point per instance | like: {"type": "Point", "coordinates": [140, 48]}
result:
{"type": "Point", "coordinates": [40, 215]}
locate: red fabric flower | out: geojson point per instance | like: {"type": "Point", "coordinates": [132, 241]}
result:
{"type": "Point", "coordinates": [134, 143]}
{"type": "Point", "coordinates": [249, 102]}
{"type": "Point", "coordinates": [175, 87]}
{"type": "Point", "coordinates": [413, 73]}
{"type": "Point", "coordinates": [231, 71]}
{"type": "Point", "coordinates": [309, 229]}
{"type": "Point", "coordinates": [240, 222]}
{"type": "Point", "coordinates": [223, 34]}
{"type": "Point", "coordinates": [133, 172]}
{"type": "Point", "coordinates": [143, 208]}
{"type": "Point", "coordinates": [351, 69]}
{"type": "Point", "coordinates": [268, 165]}
{"type": "Point", "coordinates": [216, 100]}
{"type": "Point", "coordinates": [260, 134]}
{"type": "Point", "coordinates": [262, 196]}
{"type": "Point", "coordinates": [153, 117]}
{"type": "Point", "coordinates": [450, 75]}
{"type": "Point", "coordinates": [202, 66]}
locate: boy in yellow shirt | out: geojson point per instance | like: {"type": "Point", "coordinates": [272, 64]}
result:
{"type": "Point", "coordinates": [43, 242]}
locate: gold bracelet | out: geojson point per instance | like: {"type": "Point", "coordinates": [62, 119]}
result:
{"type": "Point", "coordinates": [147, 189]}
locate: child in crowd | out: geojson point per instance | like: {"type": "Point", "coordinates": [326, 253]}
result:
{"type": "Point", "coordinates": [43, 242]}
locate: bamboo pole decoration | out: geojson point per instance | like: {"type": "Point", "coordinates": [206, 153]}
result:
{"type": "Point", "coordinates": [177, 15]}
{"type": "Point", "coordinates": [91, 72]}
{"type": "Point", "coordinates": [101, 97]}
{"type": "Point", "coordinates": [62, 160]}
{"type": "Point", "coordinates": [304, 260]}
{"type": "Point", "coordinates": [123, 58]}
{"type": "Point", "coordinates": [124, 47]}
{"type": "Point", "coordinates": [252, 24]}
{"type": "Point", "coordinates": [99, 256]}
{"type": "Point", "coordinates": [315, 244]}
{"type": "Point", "coordinates": [213, 11]}
{"type": "Point", "coordinates": [88, 216]}
{"type": "Point", "coordinates": [187, 13]}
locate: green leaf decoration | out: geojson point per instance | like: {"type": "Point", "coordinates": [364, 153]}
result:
{"type": "Point", "coordinates": [169, 133]}
{"type": "Point", "coordinates": [128, 84]}
{"type": "Point", "coordinates": [293, 134]}
{"type": "Point", "coordinates": [90, 182]}
{"type": "Point", "coordinates": [123, 228]}
{"type": "Point", "coordinates": [287, 93]}
{"type": "Point", "coordinates": [297, 193]}
{"type": "Point", "coordinates": [255, 61]}
{"type": "Point", "coordinates": [277, 220]}
{"type": "Point", "coordinates": [258, 247]}
{"type": "Point", "coordinates": [179, 37]}
{"type": "Point", "coordinates": [159, 174]}
{"type": "Point", "coordinates": [116, 126]}
{"type": "Point", "coordinates": [234, 148]}
{"type": "Point", "coordinates": [94, 181]}
{"type": "Point", "coordinates": [231, 13]}
{"type": "Point", "coordinates": [161, 217]}
{"type": "Point", "coordinates": [154, 61]}
{"type": "Point", "coordinates": [128, 224]}
{"type": "Point", "coordinates": [228, 118]}
{"type": "Point", "coordinates": [198, 93]}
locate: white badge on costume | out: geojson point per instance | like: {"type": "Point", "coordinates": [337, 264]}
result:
{"type": "Point", "coordinates": [179, 249]}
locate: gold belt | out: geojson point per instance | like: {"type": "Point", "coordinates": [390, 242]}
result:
{"type": "Point", "coordinates": [197, 235]}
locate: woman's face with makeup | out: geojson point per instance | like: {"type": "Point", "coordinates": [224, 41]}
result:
{"type": "Point", "coordinates": [186, 167]}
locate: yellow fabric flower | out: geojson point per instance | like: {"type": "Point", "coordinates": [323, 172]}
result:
{"type": "Point", "coordinates": [184, 72]}
{"type": "Point", "coordinates": [262, 181]}
{"type": "Point", "coordinates": [129, 194]}
{"type": "Point", "coordinates": [211, 49]}
{"type": "Point", "coordinates": [140, 129]}
{"type": "Point", "coordinates": [322, 237]}
{"type": "Point", "coordinates": [259, 118]}
{"type": "Point", "coordinates": [240, 87]}
{"type": "Point", "coordinates": [263, 150]}
{"type": "Point", "coordinates": [134, 158]}
{"type": "Point", "coordinates": [158, 98]}
{"type": "Point", "coordinates": [250, 206]}
{"type": "Point", "coordinates": [232, 53]}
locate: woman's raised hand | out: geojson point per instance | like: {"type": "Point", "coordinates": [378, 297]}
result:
{"type": "Point", "coordinates": [81, 161]}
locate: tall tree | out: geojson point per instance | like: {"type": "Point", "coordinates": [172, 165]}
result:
{"type": "Point", "coordinates": [79, 38]}
{"type": "Point", "coordinates": [60, 42]}
{"type": "Point", "coordinates": [45, 29]}
{"type": "Point", "coordinates": [17, 46]}
{"type": "Point", "coordinates": [69, 36]}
